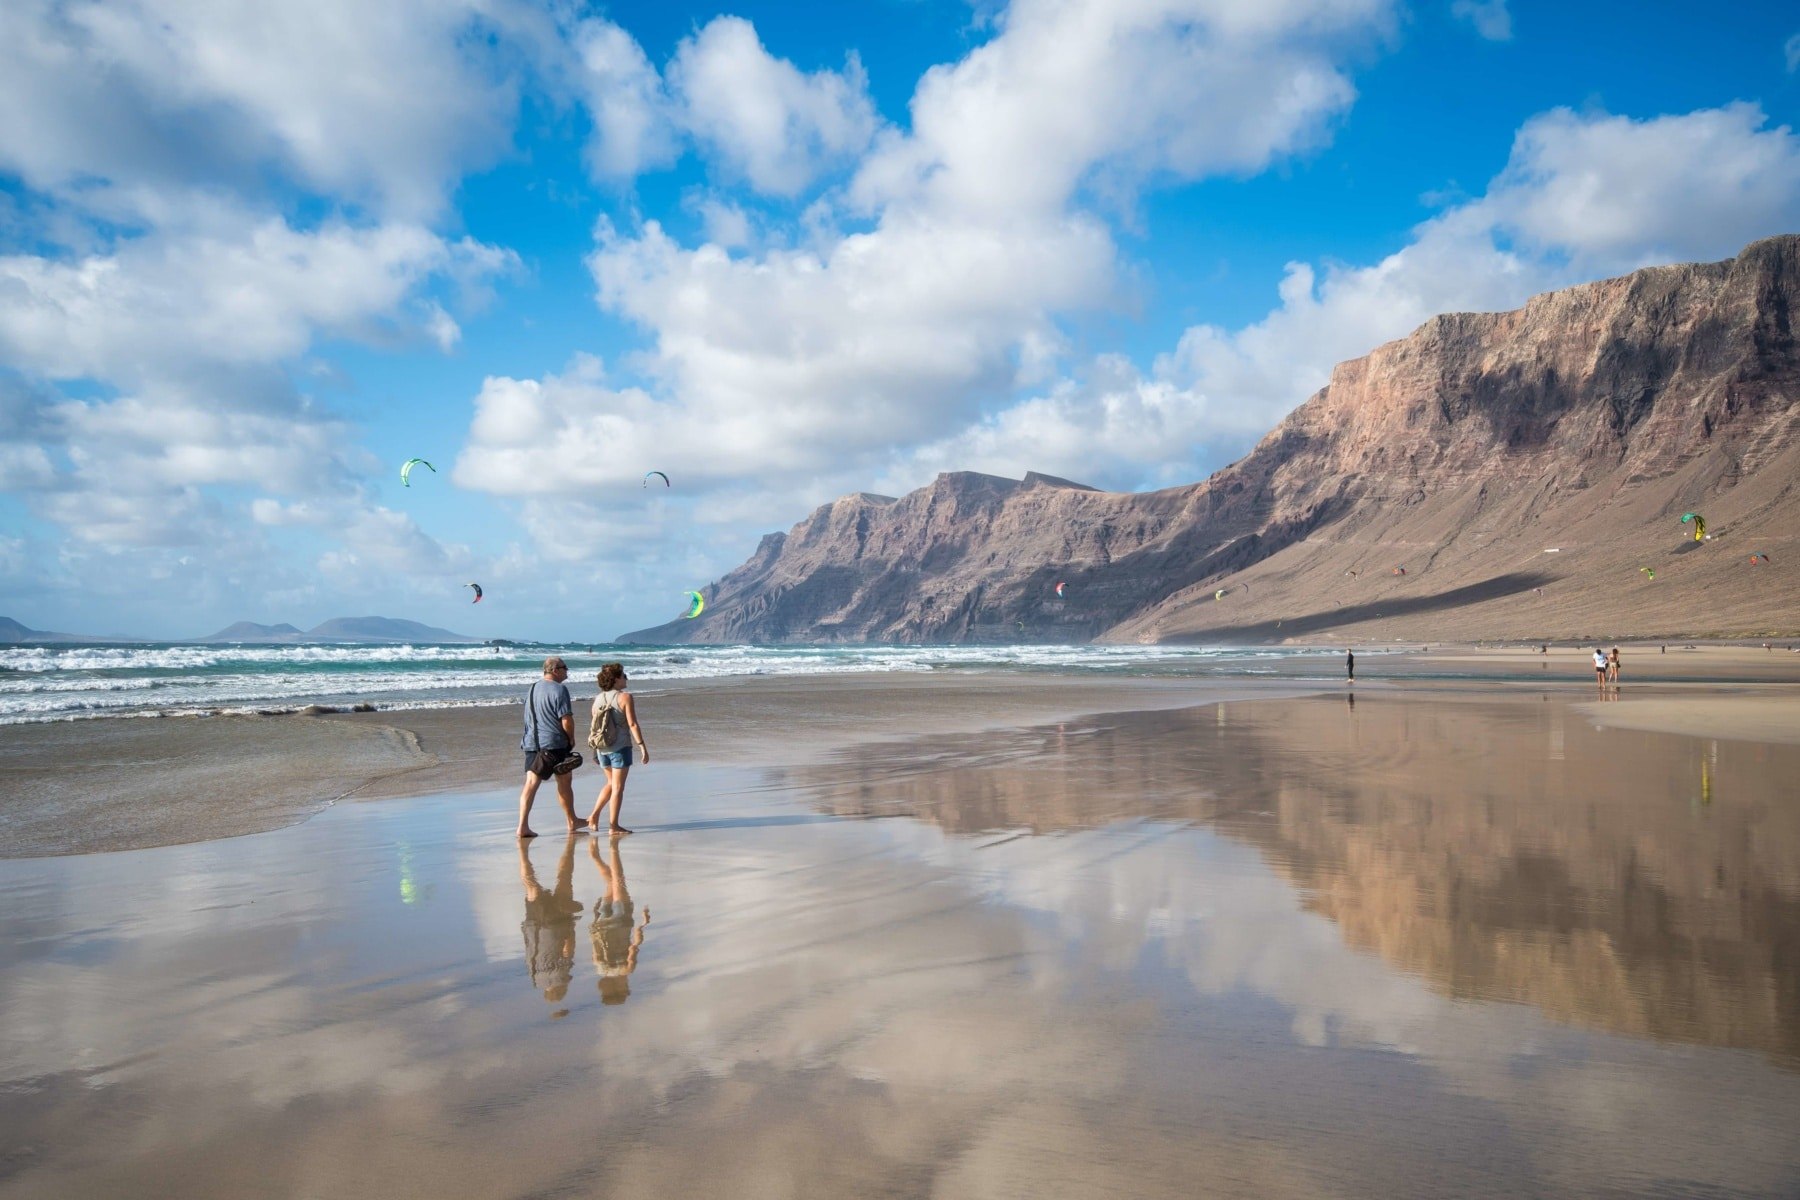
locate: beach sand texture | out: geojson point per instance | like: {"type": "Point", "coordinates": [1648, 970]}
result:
{"type": "Point", "coordinates": [1419, 937]}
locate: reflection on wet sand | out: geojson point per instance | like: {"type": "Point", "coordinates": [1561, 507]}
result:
{"type": "Point", "coordinates": [1634, 882]}
{"type": "Point", "coordinates": [616, 941]}
{"type": "Point", "coordinates": [1172, 995]}
{"type": "Point", "coordinates": [549, 924]}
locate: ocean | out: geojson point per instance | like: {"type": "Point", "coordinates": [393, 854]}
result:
{"type": "Point", "coordinates": [63, 682]}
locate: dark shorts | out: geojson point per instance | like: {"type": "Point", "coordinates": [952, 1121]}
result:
{"type": "Point", "coordinates": [542, 763]}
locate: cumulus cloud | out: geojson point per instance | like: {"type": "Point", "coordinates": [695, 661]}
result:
{"type": "Point", "coordinates": [1791, 51]}
{"type": "Point", "coordinates": [1070, 93]}
{"type": "Point", "coordinates": [759, 119]}
{"type": "Point", "coordinates": [1489, 17]}
{"type": "Point", "coordinates": [760, 116]}
{"type": "Point", "coordinates": [1616, 193]}
{"type": "Point", "coordinates": [247, 291]}
{"type": "Point", "coordinates": [634, 120]}
{"type": "Point", "coordinates": [384, 104]}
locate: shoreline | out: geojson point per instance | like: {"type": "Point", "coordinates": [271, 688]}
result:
{"type": "Point", "coordinates": [172, 781]}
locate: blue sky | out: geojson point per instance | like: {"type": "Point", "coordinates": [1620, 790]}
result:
{"type": "Point", "coordinates": [251, 261]}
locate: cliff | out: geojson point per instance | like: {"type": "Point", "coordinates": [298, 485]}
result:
{"type": "Point", "coordinates": [1493, 475]}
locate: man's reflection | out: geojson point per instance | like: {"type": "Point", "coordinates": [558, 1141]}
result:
{"type": "Point", "coordinates": [615, 939]}
{"type": "Point", "coordinates": [549, 925]}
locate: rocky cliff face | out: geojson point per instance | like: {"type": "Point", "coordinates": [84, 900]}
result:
{"type": "Point", "coordinates": [1491, 475]}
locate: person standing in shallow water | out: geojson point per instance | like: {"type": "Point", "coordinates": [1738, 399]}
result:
{"type": "Point", "coordinates": [1600, 668]}
{"type": "Point", "coordinates": [616, 758]}
{"type": "Point", "coordinates": [1350, 666]}
{"type": "Point", "coordinates": [1612, 667]}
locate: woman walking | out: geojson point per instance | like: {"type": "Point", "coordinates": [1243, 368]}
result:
{"type": "Point", "coordinates": [616, 714]}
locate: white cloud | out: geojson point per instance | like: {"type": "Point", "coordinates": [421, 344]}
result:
{"type": "Point", "coordinates": [634, 128]}
{"type": "Point", "coordinates": [1489, 17]}
{"type": "Point", "coordinates": [384, 104]}
{"type": "Point", "coordinates": [759, 119]}
{"type": "Point", "coordinates": [1077, 92]}
{"type": "Point", "coordinates": [1616, 193]}
{"type": "Point", "coordinates": [1791, 51]}
{"type": "Point", "coordinates": [760, 116]}
{"type": "Point", "coordinates": [254, 292]}
{"type": "Point", "coordinates": [378, 539]}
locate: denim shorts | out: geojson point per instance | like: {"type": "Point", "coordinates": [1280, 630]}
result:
{"type": "Point", "coordinates": [614, 758]}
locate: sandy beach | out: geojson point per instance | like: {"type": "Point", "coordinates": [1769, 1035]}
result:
{"type": "Point", "coordinates": [1467, 927]}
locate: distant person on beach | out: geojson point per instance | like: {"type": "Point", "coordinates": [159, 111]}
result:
{"type": "Point", "coordinates": [548, 744]}
{"type": "Point", "coordinates": [614, 936]}
{"type": "Point", "coordinates": [1612, 666]}
{"type": "Point", "coordinates": [1350, 666]}
{"type": "Point", "coordinates": [615, 756]}
{"type": "Point", "coordinates": [549, 924]}
{"type": "Point", "coordinates": [1600, 667]}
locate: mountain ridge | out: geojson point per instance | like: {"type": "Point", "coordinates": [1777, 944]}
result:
{"type": "Point", "coordinates": [1491, 475]}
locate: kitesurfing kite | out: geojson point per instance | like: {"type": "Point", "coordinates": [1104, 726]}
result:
{"type": "Point", "coordinates": [697, 607]}
{"type": "Point", "coordinates": [1650, 571]}
{"type": "Point", "coordinates": [1756, 558]}
{"type": "Point", "coordinates": [659, 475]}
{"type": "Point", "coordinates": [1219, 595]}
{"type": "Point", "coordinates": [1059, 589]}
{"type": "Point", "coordinates": [477, 587]}
{"type": "Point", "coordinates": [406, 470]}
{"type": "Point", "coordinates": [1699, 524]}
{"type": "Point", "coordinates": [1399, 570]}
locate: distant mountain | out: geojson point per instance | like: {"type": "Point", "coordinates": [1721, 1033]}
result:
{"type": "Point", "coordinates": [381, 629]}
{"type": "Point", "coordinates": [11, 632]}
{"type": "Point", "coordinates": [339, 629]}
{"type": "Point", "coordinates": [250, 631]}
{"type": "Point", "coordinates": [1492, 475]}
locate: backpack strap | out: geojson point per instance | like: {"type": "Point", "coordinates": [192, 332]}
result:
{"type": "Point", "coordinates": [531, 715]}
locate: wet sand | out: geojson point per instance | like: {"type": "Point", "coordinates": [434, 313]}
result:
{"type": "Point", "coordinates": [1419, 937]}
{"type": "Point", "coordinates": [163, 781]}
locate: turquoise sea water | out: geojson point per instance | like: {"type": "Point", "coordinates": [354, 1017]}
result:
{"type": "Point", "coordinates": [68, 682]}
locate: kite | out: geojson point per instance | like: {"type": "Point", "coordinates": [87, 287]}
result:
{"type": "Point", "coordinates": [1756, 558]}
{"type": "Point", "coordinates": [1399, 570]}
{"type": "Point", "coordinates": [1650, 571]}
{"type": "Point", "coordinates": [697, 607]}
{"type": "Point", "coordinates": [659, 475]}
{"type": "Point", "coordinates": [477, 587]}
{"type": "Point", "coordinates": [1059, 589]}
{"type": "Point", "coordinates": [406, 470]}
{"type": "Point", "coordinates": [1699, 524]}
{"type": "Point", "coordinates": [1219, 595]}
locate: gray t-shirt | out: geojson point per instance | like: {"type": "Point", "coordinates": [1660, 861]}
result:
{"type": "Point", "coordinates": [552, 704]}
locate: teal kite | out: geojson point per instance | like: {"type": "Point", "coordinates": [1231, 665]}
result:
{"type": "Point", "coordinates": [659, 475]}
{"type": "Point", "coordinates": [406, 470]}
{"type": "Point", "coordinates": [1699, 523]}
{"type": "Point", "coordinates": [697, 607]}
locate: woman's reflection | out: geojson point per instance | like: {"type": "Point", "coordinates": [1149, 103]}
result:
{"type": "Point", "coordinates": [549, 925]}
{"type": "Point", "coordinates": [615, 940]}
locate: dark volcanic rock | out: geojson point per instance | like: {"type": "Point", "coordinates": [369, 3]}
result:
{"type": "Point", "coordinates": [1518, 467]}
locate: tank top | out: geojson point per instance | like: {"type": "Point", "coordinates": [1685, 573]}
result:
{"type": "Point", "coordinates": [604, 701]}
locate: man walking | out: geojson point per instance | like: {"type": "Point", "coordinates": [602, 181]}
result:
{"type": "Point", "coordinates": [548, 745]}
{"type": "Point", "coordinates": [1350, 666]}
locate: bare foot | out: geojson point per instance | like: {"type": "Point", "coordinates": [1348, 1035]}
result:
{"type": "Point", "coordinates": [525, 833]}
{"type": "Point", "coordinates": [620, 831]}
{"type": "Point", "coordinates": [579, 827]}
